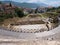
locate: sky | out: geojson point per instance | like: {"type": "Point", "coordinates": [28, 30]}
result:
{"type": "Point", "coordinates": [49, 2]}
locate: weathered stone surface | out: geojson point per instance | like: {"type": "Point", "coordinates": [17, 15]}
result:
{"type": "Point", "coordinates": [32, 42]}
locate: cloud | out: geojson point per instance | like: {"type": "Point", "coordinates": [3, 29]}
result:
{"type": "Point", "coordinates": [49, 2]}
{"type": "Point", "coordinates": [53, 3]}
{"type": "Point", "coordinates": [29, 1]}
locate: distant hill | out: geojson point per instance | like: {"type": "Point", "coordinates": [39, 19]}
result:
{"type": "Point", "coordinates": [27, 5]}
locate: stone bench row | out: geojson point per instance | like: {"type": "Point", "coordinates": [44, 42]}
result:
{"type": "Point", "coordinates": [24, 31]}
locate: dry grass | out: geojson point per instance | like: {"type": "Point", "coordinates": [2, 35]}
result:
{"type": "Point", "coordinates": [10, 20]}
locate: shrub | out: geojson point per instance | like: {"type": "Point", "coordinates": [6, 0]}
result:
{"type": "Point", "coordinates": [19, 12]}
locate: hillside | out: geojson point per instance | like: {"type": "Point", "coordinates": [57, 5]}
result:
{"type": "Point", "coordinates": [27, 5]}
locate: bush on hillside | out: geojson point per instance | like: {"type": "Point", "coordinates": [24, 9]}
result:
{"type": "Point", "coordinates": [19, 12]}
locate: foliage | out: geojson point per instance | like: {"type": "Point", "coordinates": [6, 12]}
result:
{"type": "Point", "coordinates": [19, 12]}
{"type": "Point", "coordinates": [0, 2]}
{"type": "Point", "coordinates": [10, 4]}
{"type": "Point", "coordinates": [36, 10]}
{"type": "Point", "coordinates": [51, 9]}
{"type": "Point", "coordinates": [16, 13]}
{"type": "Point", "coordinates": [50, 14]}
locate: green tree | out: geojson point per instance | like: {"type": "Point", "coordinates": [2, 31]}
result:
{"type": "Point", "coordinates": [0, 2]}
{"type": "Point", "coordinates": [36, 10]}
{"type": "Point", "coordinates": [19, 12]}
{"type": "Point", "coordinates": [10, 4]}
{"type": "Point", "coordinates": [51, 9]}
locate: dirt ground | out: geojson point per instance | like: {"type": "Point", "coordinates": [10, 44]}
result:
{"type": "Point", "coordinates": [35, 42]}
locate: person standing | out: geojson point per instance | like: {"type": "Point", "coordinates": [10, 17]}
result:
{"type": "Point", "coordinates": [47, 25]}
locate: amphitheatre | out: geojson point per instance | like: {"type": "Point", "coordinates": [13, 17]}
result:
{"type": "Point", "coordinates": [31, 29]}
{"type": "Point", "coordinates": [32, 23]}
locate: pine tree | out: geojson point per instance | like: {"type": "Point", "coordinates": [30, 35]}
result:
{"type": "Point", "coordinates": [0, 2]}
{"type": "Point", "coordinates": [10, 4]}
